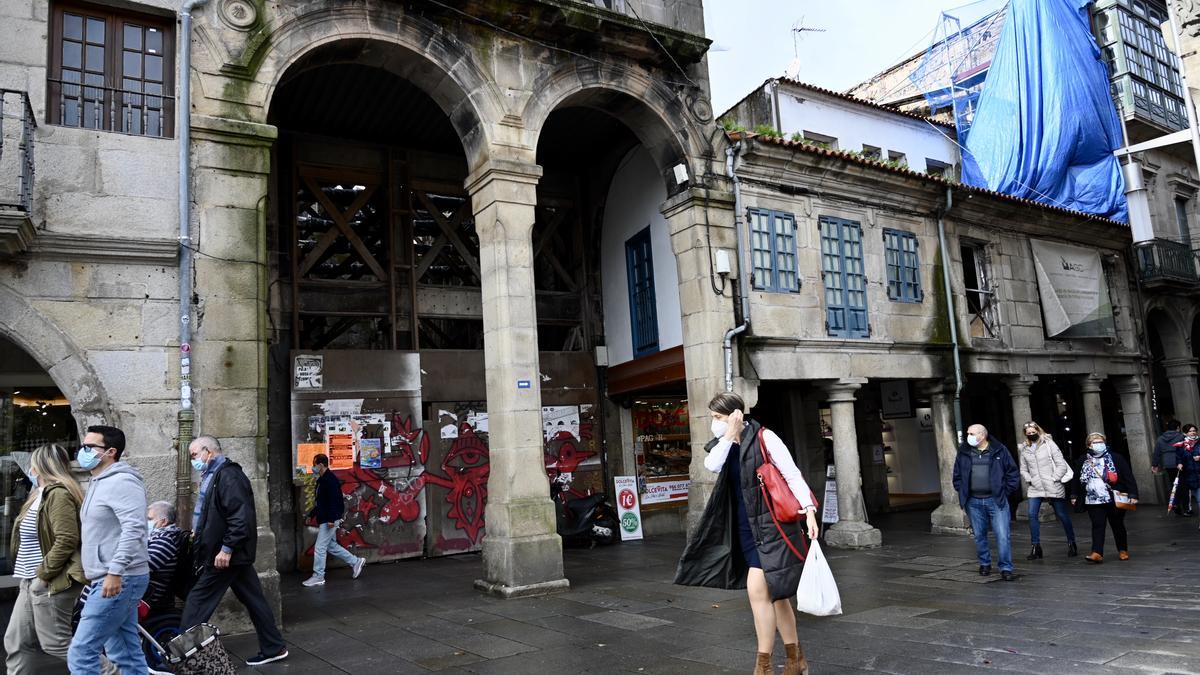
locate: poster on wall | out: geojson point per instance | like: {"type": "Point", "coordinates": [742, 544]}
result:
{"type": "Point", "coordinates": [896, 403]}
{"type": "Point", "coordinates": [829, 510]}
{"type": "Point", "coordinates": [305, 452]}
{"type": "Point", "coordinates": [629, 515]}
{"type": "Point", "coordinates": [1073, 291]}
{"type": "Point", "coordinates": [370, 453]}
{"type": "Point", "coordinates": [341, 451]}
{"type": "Point", "coordinates": [309, 370]}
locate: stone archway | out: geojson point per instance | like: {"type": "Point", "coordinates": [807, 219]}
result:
{"type": "Point", "coordinates": [53, 350]}
{"type": "Point", "coordinates": [1173, 365]}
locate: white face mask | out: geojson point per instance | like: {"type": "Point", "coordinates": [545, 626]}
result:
{"type": "Point", "coordinates": [150, 526]}
{"type": "Point", "coordinates": [972, 440]}
{"type": "Point", "coordinates": [719, 428]}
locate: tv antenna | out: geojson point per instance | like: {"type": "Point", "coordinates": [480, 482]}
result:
{"type": "Point", "coordinates": [798, 31]}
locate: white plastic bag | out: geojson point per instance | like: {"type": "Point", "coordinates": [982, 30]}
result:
{"type": "Point", "coordinates": [818, 593]}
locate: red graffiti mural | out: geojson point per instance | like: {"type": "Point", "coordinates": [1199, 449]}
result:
{"type": "Point", "coordinates": [464, 475]}
{"type": "Point", "coordinates": [564, 452]}
{"type": "Point", "coordinates": [410, 446]}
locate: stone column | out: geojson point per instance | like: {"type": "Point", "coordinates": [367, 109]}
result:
{"type": "Point", "coordinates": [948, 518]}
{"type": "Point", "coordinates": [1093, 413]}
{"type": "Point", "coordinates": [852, 529]}
{"type": "Point", "coordinates": [1139, 437]}
{"type": "Point", "coordinates": [1018, 389]}
{"type": "Point", "coordinates": [522, 554]}
{"type": "Point", "coordinates": [1181, 373]}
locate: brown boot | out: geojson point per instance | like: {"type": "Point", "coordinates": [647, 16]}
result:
{"type": "Point", "coordinates": [763, 665]}
{"type": "Point", "coordinates": [796, 663]}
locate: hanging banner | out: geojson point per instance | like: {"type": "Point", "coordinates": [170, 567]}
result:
{"type": "Point", "coordinates": [629, 514]}
{"type": "Point", "coordinates": [1073, 290]}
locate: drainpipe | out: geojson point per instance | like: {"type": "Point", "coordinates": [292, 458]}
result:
{"type": "Point", "coordinates": [731, 157]}
{"type": "Point", "coordinates": [958, 377]}
{"type": "Point", "coordinates": [187, 416]}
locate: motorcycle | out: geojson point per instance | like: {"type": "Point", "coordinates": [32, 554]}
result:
{"type": "Point", "coordinates": [585, 520]}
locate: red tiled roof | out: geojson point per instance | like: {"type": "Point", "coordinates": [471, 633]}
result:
{"type": "Point", "coordinates": [904, 171]}
{"type": "Point", "coordinates": [845, 97]}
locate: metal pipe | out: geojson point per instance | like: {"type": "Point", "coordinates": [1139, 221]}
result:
{"type": "Point", "coordinates": [183, 474]}
{"type": "Point", "coordinates": [731, 156]}
{"type": "Point", "coordinates": [953, 318]}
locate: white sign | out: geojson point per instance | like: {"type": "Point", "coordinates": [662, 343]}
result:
{"type": "Point", "coordinates": [1073, 290]}
{"type": "Point", "coordinates": [629, 512]}
{"type": "Point", "coordinates": [310, 370]}
{"type": "Point", "coordinates": [829, 510]}
{"type": "Point", "coordinates": [663, 491]}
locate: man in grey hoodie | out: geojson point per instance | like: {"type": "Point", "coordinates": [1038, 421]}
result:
{"type": "Point", "coordinates": [113, 530]}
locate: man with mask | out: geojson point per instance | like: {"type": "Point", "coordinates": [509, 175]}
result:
{"type": "Point", "coordinates": [113, 533]}
{"type": "Point", "coordinates": [985, 475]}
{"type": "Point", "coordinates": [225, 544]}
{"type": "Point", "coordinates": [328, 509]}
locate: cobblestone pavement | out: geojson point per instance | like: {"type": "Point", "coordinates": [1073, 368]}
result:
{"type": "Point", "coordinates": [915, 606]}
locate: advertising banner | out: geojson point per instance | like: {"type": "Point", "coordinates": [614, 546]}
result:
{"type": "Point", "coordinates": [628, 511]}
{"type": "Point", "coordinates": [1073, 290]}
{"type": "Point", "coordinates": [666, 490]}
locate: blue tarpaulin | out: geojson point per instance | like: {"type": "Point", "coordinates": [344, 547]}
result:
{"type": "Point", "coordinates": [1046, 128]}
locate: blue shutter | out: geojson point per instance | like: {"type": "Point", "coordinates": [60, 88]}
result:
{"type": "Point", "coordinates": [760, 246]}
{"type": "Point", "coordinates": [787, 279]}
{"type": "Point", "coordinates": [831, 272]}
{"type": "Point", "coordinates": [773, 251]}
{"type": "Point", "coordinates": [643, 313]}
{"type": "Point", "coordinates": [903, 266]}
{"type": "Point", "coordinates": [845, 278]}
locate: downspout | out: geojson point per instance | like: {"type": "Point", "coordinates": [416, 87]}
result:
{"type": "Point", "coordinates": [183, 128]}
{"type": "Point", "coordinates": [953, 317]}
{"type": "Point", "coordinates": [731, 157]}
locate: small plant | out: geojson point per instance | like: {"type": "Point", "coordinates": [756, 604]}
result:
{"type": "Point", "coordinates": [731, 126]}
{"type": "Point", "coordinates": [797, 137]}
{"type": "Point", "coordinates": [767, 130]}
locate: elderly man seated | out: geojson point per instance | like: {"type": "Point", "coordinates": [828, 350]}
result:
{"type": "Point", "coordinates": [163, 547]}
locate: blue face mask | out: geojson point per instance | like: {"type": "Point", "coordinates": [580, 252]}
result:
{"type": "Point", "coordinates": [33, 479]}
{"type": "Point", "coordinates": [87, 458]}
{"type": "Point", "coordinates": [199, 464]}
{"type": "Point", "coordinates": [1098, 449]}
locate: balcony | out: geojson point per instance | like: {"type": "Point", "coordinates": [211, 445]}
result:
{"type": "Point", "coordinates": [17, 125]}
{"type": "Point", "coordinates": [1165, 263]}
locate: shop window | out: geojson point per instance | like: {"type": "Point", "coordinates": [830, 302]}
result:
{"type": "Point", "coordinates": [773, 239]}
{"type": "Point", "coordinates": [111, 70]}
{"type": "Point", "coordinates": [903, 266]}
{"type": "Point", "coordinates": [662, 452]}
{"type": "Point", "coordinates": [977, 284]}
{"type": "Point", "coordinates": [639, 266]}
{"type": "Point", "coordinates": [845, 281]}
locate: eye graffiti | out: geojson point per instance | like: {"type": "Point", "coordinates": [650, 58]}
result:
{"type": "Point", "coordinates": [465, 471]}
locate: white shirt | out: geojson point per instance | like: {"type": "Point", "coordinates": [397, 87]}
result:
{"type": "Point", "coordinates": [780, 457]}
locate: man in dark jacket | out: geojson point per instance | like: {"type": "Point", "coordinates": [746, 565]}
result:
{"type": "Point", "coordinates": [225, 545]}
{"type": "Point", "coordinates": [1162, 460]}
{"type": "Point", "coordinates": [328, 509]}
{"type": "Point", "coordinates": [985, 475]}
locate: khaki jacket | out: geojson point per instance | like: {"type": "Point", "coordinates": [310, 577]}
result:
{"type": "Point", "coordinates": [58, 536]}
{"type": "Point", "coordinates": [1044, 469]}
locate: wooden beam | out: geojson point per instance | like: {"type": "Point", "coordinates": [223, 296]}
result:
{"type": "Point", "coordinates": [450, 229]}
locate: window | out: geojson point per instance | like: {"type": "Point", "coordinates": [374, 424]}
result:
{"type": "Point", "coordinates": [773, 244]}
{"type": "Point", "coordinates": [903, 266]}
{"type": "Point", "coordinates": [1181, 217]}
{"type": "Point", "coordinates": [977, 282]}
{"type": "Point", "coordinates": [898, 157]}
{"type": "Point", "coordinates": [821, 140]}
{"type": "Point", "coordinates": [935, 168]}
{"type": "Point", "coordinates": [872, 152]}
{"type": "Point", "coordinates": [111, 71]}
{"type": "Point", "coordinates": [643, 315]}
{"type": "Point", "coordinates": [845, 282]}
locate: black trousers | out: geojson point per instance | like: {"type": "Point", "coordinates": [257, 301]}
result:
{"type": "Point", "coordinates": [210, 587]}
{"type": "Point", "coordinates": [1101, 514]}
{"type": "Point", "coordinates": [1183, 495]}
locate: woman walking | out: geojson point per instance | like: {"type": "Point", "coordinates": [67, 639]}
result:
{"type": "Point", "coordinates": [45, 551]}
{"type": "Point", "coordinates": [1102, 474]}
{"type": "Point", "coordinates": [760, 557]}
{"type": "Point", "coordinates": [1187, 463]}
{"type": "Point", "coordinates": [1046, 472]}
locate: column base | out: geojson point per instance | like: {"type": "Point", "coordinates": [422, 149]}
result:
{"type": "Point", "coordinates": [853, 534]}
{"type": "Point", "coordinates": [502, 591]}
{"type": "Point", "coordinates": [949, 519]}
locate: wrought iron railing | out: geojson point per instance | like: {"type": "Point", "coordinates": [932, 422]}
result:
{"type": "Point", "coordinates": [17, 125]}
{"type": "Point", "coordinates": [109, 109]}
{"type": "Point", "coordinates": [1166, 260]}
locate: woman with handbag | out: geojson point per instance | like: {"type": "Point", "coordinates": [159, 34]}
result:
{"type": "Point", "coordinates": [46, 560]}
{"type": "Point", "coordinates": [1187, 463]}
{"type": "Point", "coordinates": [1046, 472]}
{"type": "Point", "coordinates": [1109, 489]}
{"type": "Point", "coordinates": [751, 530]}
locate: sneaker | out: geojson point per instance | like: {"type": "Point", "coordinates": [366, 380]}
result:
{"type": "Point", "coordinates": [152, 671]}
{"type": "Point", "coordinates": [314, 580]}
{"type": "Point", "coordinates": [259, 659]}
{"type": "Point", "coordinates": [358, 567]}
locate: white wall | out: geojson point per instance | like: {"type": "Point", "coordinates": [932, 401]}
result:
{"type": "Point", "coordinates": [634, 198]}
{"type": "Point", "coordinates": [855, 125]}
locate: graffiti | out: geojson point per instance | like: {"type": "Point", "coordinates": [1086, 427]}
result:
{"type": "Point", "coordinates": [465, 471]}
{"type": "Point", "coordinates": [405, 448]}
{"type": "Point", "coordinates": [564, 452]}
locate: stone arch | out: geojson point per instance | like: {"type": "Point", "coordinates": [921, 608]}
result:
{"type": "Point", "coordinates": [643, 104]}
{"type": "Point", "coordinates": [383, 36]}
{"type": "Point", "coordinates": [1170, 331]}
{"type": "Point", "coordinates": [39, 337]}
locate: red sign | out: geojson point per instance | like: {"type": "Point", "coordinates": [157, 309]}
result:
{"type": "Point", "coordinates": [627, 499]}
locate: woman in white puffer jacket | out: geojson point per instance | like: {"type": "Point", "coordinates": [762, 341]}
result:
{"type": "Point", "coordinates": [1046, 472]}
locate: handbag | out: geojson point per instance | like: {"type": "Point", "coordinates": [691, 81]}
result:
{"type": "Point", "coordinates": [198, 651]}
{"type": "Point", "coordinates": [818, 593]}
{"type": "Point", "coordinates": [1122, 501]}
{"type": "Point", "coordinates": [778, 497]}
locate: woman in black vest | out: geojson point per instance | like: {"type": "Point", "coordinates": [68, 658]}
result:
{"type": "Point", "coordinates": [738, 544]}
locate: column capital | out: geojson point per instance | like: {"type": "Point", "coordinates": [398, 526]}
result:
{"type": "Point", "coordinates": [1090, 384]}
{"type": "Point", "coordinates": [1129, 384]}
{"type": "Point", "coordinates": [512, 172]}
{"type": "Point", "coordinates": [1184, 367]}
{"type": "Point", "coordinates": [237, 132]}
{"type": "Point", "coordinates": [843, 390]}
{"type": "Point", "coordinates": [1019, 385]}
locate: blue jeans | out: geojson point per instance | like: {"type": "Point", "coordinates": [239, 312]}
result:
{"type": "Point", "coordinates": [110, 624]}
{"type": "Point", "coordinates": [1060, 509]}
{"type": "Point", "coordinates": [991, 513]}
{"type": "Point", "coordinates": [327, 543]}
